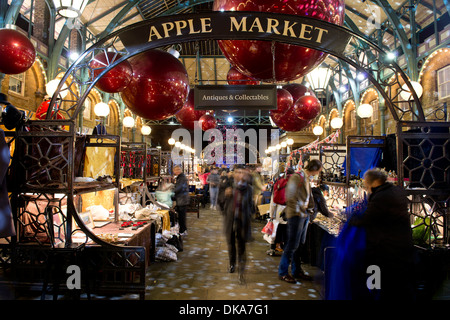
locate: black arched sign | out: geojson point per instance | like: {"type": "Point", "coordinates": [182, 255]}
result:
{"type": "Point", "coordinates": [296, 30]}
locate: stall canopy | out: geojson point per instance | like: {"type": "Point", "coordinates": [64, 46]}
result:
{"type": "Point", "coordinates": [363, 158]}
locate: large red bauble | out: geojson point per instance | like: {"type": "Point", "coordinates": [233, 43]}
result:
{"type": "Point", "coordinates": [254, 58]}
{"type": "Point", "coordinates": [188, 115]}
{"type": "Point", "coordinates": [116, 79]}
{"type": "Point", "coordinates": [17, 53]}
{"type": "Point", "coordinates": [235, 77]}
{"type": "Point", "coordinates": [297, 90]}
{"type": "Point", "coordinates": [290, 122]}
{"type": "Point", "coordinates": [41, 112]}
{"type": "Point", "coordinates": [307, 107]}
{"type": "Point", "coordinates": [159, 86]}
{"type": "Point", "coordinates": [207, 121]}
{"type": "Point", "coordinates": [284, 103]}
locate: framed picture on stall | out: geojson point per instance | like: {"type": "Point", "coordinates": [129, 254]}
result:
{"type": "Point", "coordinates": [87, 219]}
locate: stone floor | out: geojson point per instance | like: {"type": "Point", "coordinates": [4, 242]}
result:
{"type": "Point", "coordinates": [201, 269]}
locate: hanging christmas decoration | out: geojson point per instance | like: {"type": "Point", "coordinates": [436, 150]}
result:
{"type": "Point", "coordinates": [235, 77]}
{"type": "Point", "coordinates": [207, 122]}
{"type": "Point", "coordinates": [17, 53]}
{"type": "Point", "coordinates": [116, 79]}
{"type": "Point", "coordinates": [315, 145]}
{"type": "Point", "coordinates": [284, 103]}
{"type": "Point", "coordinates": [290, 122]}
{"type": "Point", "coordinates": [159, 86]}
{"type": "Point", "coordinates": [307, 107]}
{"type": "Point", "coordinates": [41, 112]}
{"type": "Point", "coordinates": [188, 115]}
{"type": "Point", "coordinates": [298, 90]}
{"type": "Point", "coordinates": [267, 61]}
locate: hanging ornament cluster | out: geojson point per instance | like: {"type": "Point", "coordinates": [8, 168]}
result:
{"type": "Point", "coordinates": [297, 106]}
{"type": "Point", "coordinates": [188, 115]}
{"type": "Point", "coordinates": [116, 79]}
{"type": "Point", "coordinates": [279, 62]}
{"type": "Point", "coordinates": [159, 86]}
{"type": "Point", "coordinates": [315, 145]}
{"type": "Point", "coordinates": [17, 53]}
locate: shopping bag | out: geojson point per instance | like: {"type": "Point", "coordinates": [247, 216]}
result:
{"type": "Point", "coordinates": [268, 228]}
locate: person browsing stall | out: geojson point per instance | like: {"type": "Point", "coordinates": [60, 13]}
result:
{"type": "Point", "coordinates": [299, 204]}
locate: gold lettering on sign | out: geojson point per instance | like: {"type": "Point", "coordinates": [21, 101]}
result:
{"type": "Point", "coordinates": [168, 26]}
{"type": "Point", "coordinates": [154, 32]}
{"type": "Point", "coordinates": [306, 28]}
{"type": "Point", "coordinates": [321, 31]}
{"type": "Point", "coordinates": [237, 26]}
{"type": "Point", "coordinates": [206, 25]}
{"type": "Point", "coordinates": [181, 24]}
{"type": "Point", "coordinates": [258, 25]}
{"type": "Point", "coordinates": [289, 28]}
{"type": "Point", "coordinates": [272, 25]}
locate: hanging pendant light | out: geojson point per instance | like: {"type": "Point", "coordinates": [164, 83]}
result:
{"type": "Point", "coordinates": [70, 8]}
{"type": "Point", "coordinates": [319, 78]}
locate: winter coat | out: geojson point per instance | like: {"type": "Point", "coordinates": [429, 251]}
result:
{"type": "Point", "coordinates": [225, 182]}
{"type": "Point", "coordinates": [213, 180]}
{"type": "Point", "coordinates": [298, 195]}
{"type": "Point", "coordinates": [320, 204]}
{"type": "Point", "coordinates": [247, 211]}
{"type": "Point", "coordinates": [388, 229]}
{"type": "Point", "coordinates": [181, 191]}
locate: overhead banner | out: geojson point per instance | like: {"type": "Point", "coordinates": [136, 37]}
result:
{"type": "Point", "coordinates": [247, 97]}
{"type": "Point", "coordinates": [236, 25]}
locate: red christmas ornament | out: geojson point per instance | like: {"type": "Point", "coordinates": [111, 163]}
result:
{"type": "Point", "coordinates": [159, 86]}
{"type": "Point", "coordinates": [41, 112]}
{"type": "Point", "coordinates": [207, 121]}
{"type": "Point", "coordinates": [290, 122]}
{"type": "Point", "coordinates": [297, 90]}
{"type": "Point", "coordinates": [188, 115]}
{"type": "Point", "coordinates": [17, 53]}
{"type": "Point", "coordinates": [235, 77]}
{"type": "Point", "coordinates": [254, 58]}
{"type": "Point", "coordinates": [307, 107]}
{"type": "Point", "coordinates": [284, 103]}
{"type": "Point", "coordinates": [116, 79]}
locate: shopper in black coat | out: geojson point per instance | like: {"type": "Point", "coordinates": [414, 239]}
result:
{"type": "Point", "coordinates": [389, 244]}
{"type": "Point", "coordinates": [320, 204]}
{"type": "Point", "coordinates": [238, 210]}
{"type": "Point", "coordinates": [181, 197]}
{"type": "Point", "coordinates": [226, 180]}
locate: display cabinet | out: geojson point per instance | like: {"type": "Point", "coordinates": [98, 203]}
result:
{"type": "Point", "coordinates": [47, 183]}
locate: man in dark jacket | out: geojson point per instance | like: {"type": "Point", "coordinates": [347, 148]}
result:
{"type": "Point", "coordinates": [238, 210]}
{"type": "Point", "coordinates": [389, 244]}
{"type": "Point", "coordinates": [181, 197]}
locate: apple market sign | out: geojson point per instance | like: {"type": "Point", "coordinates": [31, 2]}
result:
{"type": "Point", "coordinates": [237, 25]}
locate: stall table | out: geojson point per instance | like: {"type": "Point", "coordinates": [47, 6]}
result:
{"type": "Point", "coordinates": [141, 237]}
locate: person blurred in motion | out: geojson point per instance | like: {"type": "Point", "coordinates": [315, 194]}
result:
{"type": "Point", "coordinates": [226, 180]}
{"type": "Point", "coordinates": [238, 210]}
{"type": "Point", "coordinates": [213, 181]}
{"type": "Point", "coordinates": [181, 197]}
{"type": "Point", "coordinates": [299, 205]}
{"type": "Point", "coordinates": [389, 243]}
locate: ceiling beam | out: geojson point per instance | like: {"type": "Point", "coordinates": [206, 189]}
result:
{"type": "Point", "coordinates": [116, 21]}
{"type": "Point", "coordinates": [104, 14]}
